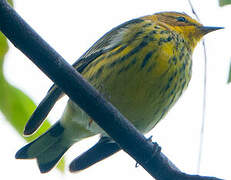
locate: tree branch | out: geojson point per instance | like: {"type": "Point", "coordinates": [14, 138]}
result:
{"type": "Point", "coordinates": [83, 94]}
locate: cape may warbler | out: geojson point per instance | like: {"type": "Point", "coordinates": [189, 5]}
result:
{"type": "Point", "coordinates": [141, 66]}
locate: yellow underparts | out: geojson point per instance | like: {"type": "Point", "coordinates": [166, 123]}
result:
{"type": "Point", "coordinates": [143, 78]}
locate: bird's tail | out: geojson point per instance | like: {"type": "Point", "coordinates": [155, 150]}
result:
{"type": "Point", "coordinates": [47, 149]}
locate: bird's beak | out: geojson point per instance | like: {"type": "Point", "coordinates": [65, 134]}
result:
{"type": "Point", "coordinates": [208, 29]}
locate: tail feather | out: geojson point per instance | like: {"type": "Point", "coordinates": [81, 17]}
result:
{"type": "Point", "coordinates": [47, 149]}
{"type": "Point", "coordinates": [49, 158]}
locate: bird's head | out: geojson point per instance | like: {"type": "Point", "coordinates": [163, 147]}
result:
{"type": "Point", "coordinates": [189, 28]}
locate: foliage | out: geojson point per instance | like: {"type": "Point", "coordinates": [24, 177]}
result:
{"type": "Point", "coordinates": [224, 2]}
{"type": "Point", "coordinates": [229, 77]}
{"type": "Point", "coordinates": [15, 105]}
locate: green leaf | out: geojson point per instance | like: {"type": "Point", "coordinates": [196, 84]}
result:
{"type": "Point", "coordinates": [15, 105]}
{"type": "Point", "coordinates": [229, 77]}
{"type": "Point", "coordinates": [10, 2]}
{"type": "Point", "coordinates": [224, 2]}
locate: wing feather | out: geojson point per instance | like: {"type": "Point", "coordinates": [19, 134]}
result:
{"type": "Point", "coordinates": [109, 41]}
{"type": "Point", "coordinates": [100, 151]}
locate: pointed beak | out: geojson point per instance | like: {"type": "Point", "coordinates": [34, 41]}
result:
{"type": "Point", "coordinates": [208, 29]}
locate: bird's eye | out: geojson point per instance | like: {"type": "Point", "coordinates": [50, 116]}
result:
{"type": "Point", "coordinates": [181, 19]}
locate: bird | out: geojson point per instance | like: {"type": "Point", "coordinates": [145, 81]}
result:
{"type": "Point", "coordinates": [142, 67]}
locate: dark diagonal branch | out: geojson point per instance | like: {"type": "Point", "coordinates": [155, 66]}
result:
{"type": "Point", "coordinates": [104, 114]}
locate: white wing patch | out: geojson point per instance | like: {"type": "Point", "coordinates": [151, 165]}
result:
{"type": "Point", "coordinates": [116, 39]}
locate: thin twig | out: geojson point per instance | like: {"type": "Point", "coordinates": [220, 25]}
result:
{"type": "Point", "coordinates": [204, 96]}
{"type": "Point", "coordinates": [193, 10]}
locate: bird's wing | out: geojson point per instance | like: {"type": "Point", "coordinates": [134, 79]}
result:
{"type": "Point", "coordinates": [109, 41]}
{"type": "Point", "coordinates": [42, 110]}
{"type": "Point", "coordinates": [103, 149]}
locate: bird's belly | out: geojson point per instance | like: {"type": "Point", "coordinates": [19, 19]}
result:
{"type": "Point", "coordinates": [142, 96]}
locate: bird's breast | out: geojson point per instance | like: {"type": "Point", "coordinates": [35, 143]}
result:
{"type": "Point", "coordinates": [144, 85]}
